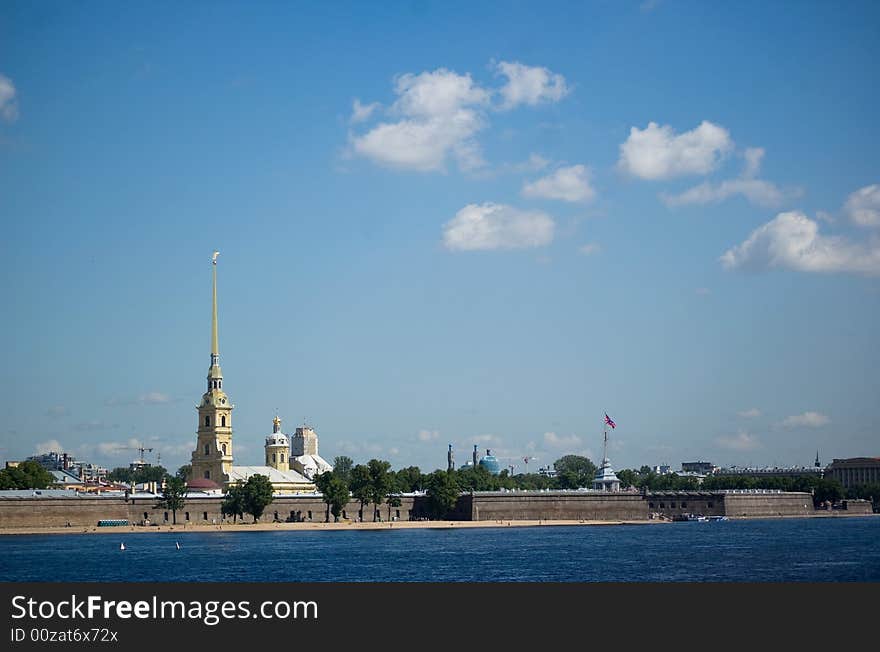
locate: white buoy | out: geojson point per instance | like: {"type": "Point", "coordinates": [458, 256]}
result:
{"type": "Point", "coordinates": [122, 546]}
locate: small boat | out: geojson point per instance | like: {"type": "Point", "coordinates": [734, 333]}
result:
{"type": "Point", "coordinates": [122, 546]}
{"type": "Point", "coordinates": [718, 518]}
{"type": "Point", "coordinates": [177, 544]}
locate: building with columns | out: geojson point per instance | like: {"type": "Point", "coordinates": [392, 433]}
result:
{"type": "Point", "coordinates": [212, 460]}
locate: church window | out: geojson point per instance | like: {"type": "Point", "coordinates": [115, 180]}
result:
{"type": "Point", "coordinates": [207, 420]}
{"type": "Point", "coordinates": [224, 448]}
{"type": "Point", "coordinates": [273, 458]}
{"type": "Point", "coordinates": [282, 458]}
{"type": "Point", "coordinates": [223, 421]}
{"type": "Point", "coordinates": [207, 450]}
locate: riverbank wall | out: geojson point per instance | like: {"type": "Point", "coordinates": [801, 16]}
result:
{"type": "Point", "coordinates": [67, 509]}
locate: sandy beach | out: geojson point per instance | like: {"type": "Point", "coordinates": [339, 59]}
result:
{"type": "Point", "coordinates": [344, 525]}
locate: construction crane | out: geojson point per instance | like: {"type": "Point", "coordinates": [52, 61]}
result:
{"type": "Point", "coordinates": [141, 449]}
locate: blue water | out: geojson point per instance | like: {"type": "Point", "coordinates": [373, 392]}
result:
{"type": "Point", "coordinates": [792, 550]}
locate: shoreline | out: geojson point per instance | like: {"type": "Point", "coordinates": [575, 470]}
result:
{"type": "Point", "coordinates": [313, 526]}
{"type": "Point", "coordinates": [368, 525]}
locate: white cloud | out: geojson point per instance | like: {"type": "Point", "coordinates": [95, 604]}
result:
{"type": "Point", "coordinates": [863, 206]}
{"type": "Point", "coordinates": [362, 112]}
{"type": "Point", "coordinates": [757, 191]}
{"type": "Point", "coordinates": [428, 435]}
{"type": "Point", "coordinates": [589, 249]}
{"type": "Point", "coordinates": [440, 113]}
{"type": "Point", "coordinates": [553, 440]}
{"type": "Point", "coordinates": [792, 241]}
{"type": "Point", "coordinates": [496, 226]}
{"type": "Point", "coordinates": [8, 101]}
{"type": "Point", "coordinates": [529, 85]}
{"type": "Point", "coordinates": [154, 398]}
{"type": "Point", "coordinates": [116, 449]}
{"type": "Point", "coordinates": [751, 413]}
{"type": "Point", "coordinates": [566, 183]}
{"type": "Point", "coordinates": [658, 153]}
{"type": "Point", "coordinates": [807, 419]}
{"type": "Point", "coordinates": [53, 445]}
{"type": "Point", "coordinates": [742, 441]}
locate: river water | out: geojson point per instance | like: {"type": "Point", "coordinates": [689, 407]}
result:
{"type": "Point", "coordinates": [783, 550]}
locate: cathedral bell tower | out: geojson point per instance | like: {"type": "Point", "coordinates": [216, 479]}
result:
{"type": "Point", "coordinates": [212, 457]}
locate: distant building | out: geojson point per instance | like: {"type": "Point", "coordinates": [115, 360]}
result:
{"type": "Point", "coordinates": [304, 456]}
{"type": "Point", "coordinates": [490, 463]}
{"type": "Point", "coordinates": [662, 469]}
{"type": "Point", "coordinates": [703, 468]}
{"type": "Point", "coordinates": [854, 471]}
{"type": "Point", "coordinates": [771, 472]}
{"type": "Point", "coordinates": [606, 479]}
{"type": "Point", "coordinates": [212, 460]}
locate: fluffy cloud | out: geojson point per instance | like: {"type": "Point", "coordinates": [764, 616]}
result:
{"type": "Point", "coordinates": [53, 445]}
{"type": "Point", "coordinates": [529, 85]}
{"type": "Point", "coordinates": [437, 115]}
{"type": "Point", "coordinates": [362, 112]}
{"type": "Point", "coordinates": [496, 226]}
{"type": "Point", "coordinates": [440, 112]}
{"type": "Point", "coordinates": [757, 191]}
{"type": "Point", "coordinates": [658, 153]}
{"type": "Point", "coordinates": [863, 206]}
{"type": "Point", "coordinates": [8, 102]}
{"type": "Point", "coordinates": [807, 419]}
{"type": "Point", "coordinates": [751, 413]}
{"type": "Point", "coordinates": [553, 440]}
{"type": "Point", "coordinates": [567, 184]}
{"type": "Point", "coordinates": [792, 241]}
{"type": "Point", "coordinates": [742, 441]}
{"type": "Point", "coordinates": [428, 435]}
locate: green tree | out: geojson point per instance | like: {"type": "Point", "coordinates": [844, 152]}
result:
{"type": "Point", "coordinates": [257, 495]}
{"type": "Point", "coordinates": [628, 478]}
{"type": "Point", "coordinates": [380, 483]}
{"type": "Point", "coordinates": [334, 492]}
{"type": "Point", "coordinates": [27, 475]}
{"type": "Point", "coordinates": [233, 503]}
{"type": "Point", "coordinates": [827, 490]}
{"type": "Point", "coordinates": [573, 471]}
{"type": "Point", "coordinates": [173, 497]}
{"type": "Point", "coordinates": [443, 493]}
{"type": "Point", "coordinates": [360, 485]}
{"type": "Point", "coordinates": [149, 474]}
{"type": "Point", "coordinates": [184, 472]}
{"type": "Point", "coordinates": [342, 465]}
{"type": "Point", "coordinates": [409, 479]}
{"type": "Point", "coordinates": [393, 500]}
{"type": "Point", "coordinates": [121, 474]}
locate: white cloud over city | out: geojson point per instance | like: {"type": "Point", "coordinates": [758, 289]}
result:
{"type": "Point", "coordinates": [491, 226]}
{"type": "Point", "coordinates": [8, 99]}
{"type": "Point", "coordinates": [806, 420]}
{"type": "Point", "coordinates": [792, 241]}
{"type": "Point", "coordinates": [571, 184]}
{"type": "Point", "coordinates": [863, 206]}
{"type": "Point", "coordinates": [437, 115]}
{"type": "Point", "coordinates": [741, 441]}
{"type": "Point", "coordinates": [657, 152]}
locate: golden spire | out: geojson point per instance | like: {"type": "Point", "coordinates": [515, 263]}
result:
{"type": "Point", "coordinates": [277, 424]}
{"type": "Point", "coordinates": [215, 349]}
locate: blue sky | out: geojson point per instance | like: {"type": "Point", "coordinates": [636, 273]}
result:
{"type": "Point", "coordinates": [443, 223]}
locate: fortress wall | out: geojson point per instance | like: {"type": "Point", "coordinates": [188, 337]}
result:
{"type": "Point", "coordinates": [756, 505]}
{"type": "Point", "coordinates": [84, 512]}
{"type": "Point", "coordinates": [557, 506]}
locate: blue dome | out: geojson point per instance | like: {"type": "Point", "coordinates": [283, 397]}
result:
{"type": "Point", "coordinates": [491, 464]}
